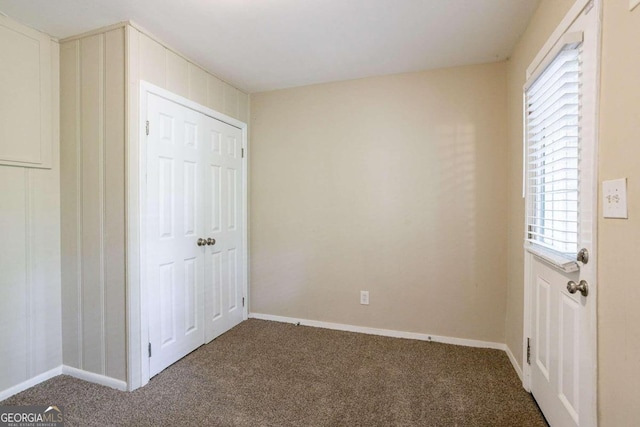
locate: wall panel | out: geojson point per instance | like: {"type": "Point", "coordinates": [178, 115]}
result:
{"type": "Point", "coordinates": [215, 99]}
{"type": "Point", "coordinates": [198, 90]}
{"type": "Point", "coordinates": [153, 62]}
{"type": "Point", "coordinates": [93, 132]}
{"type": "Point", "coordinates": [30, 330]}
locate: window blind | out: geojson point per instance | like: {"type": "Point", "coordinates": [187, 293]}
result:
{"type": "Point", "coordinates": [552, 153]}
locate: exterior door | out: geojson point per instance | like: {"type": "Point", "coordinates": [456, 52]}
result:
{"type": "Point", "coordinates": [194, 229]}
{"type": "Point", "coordinates": [561, 218]}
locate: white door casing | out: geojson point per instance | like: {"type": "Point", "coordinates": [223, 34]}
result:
{"type": "Point", "coordinates": [193, 188]}
{"type": "Point", "coordinates": [561, 326]}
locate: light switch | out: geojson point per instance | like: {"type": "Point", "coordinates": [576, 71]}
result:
{"type": "Point", "coordinates": [614, 198]}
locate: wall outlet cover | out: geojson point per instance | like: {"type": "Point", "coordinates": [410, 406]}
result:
{"type": "Point", "coordinates": [614, 198]}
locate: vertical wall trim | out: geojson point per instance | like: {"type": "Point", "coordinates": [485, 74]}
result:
{"type": "Point", "coordinates": [166, 68]}
{"type": "Point", "coordinates": [101, 188]}
{"type": "Point", "coordinates": [79, 201]}
{"type": "Point", "coordinates": [28, 272]}
{"type": "Point", "coordinates": [189, 72]}
{"type": "Point", "coordinates": [127, 34]}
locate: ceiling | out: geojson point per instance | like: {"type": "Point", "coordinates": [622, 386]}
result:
{"type": "Point", "coordinates": [260, 45]}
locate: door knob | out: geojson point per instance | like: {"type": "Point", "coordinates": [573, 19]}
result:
{"type": "Point", "coordinates": [201, 242]}
{"type": "Point", "coordinates": [211, 241]}
{"type": "Point", "coordinates": [583, 256]}
{"type": "Point", "coordinates": [572, 287]}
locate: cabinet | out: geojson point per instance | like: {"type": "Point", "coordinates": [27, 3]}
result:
{"type": "Point", "coordinates": [26, 93]}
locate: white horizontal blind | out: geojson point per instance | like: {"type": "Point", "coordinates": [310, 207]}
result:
{"type": "Point", "coordinates": [552, 156]}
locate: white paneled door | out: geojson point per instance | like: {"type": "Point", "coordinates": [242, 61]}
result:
{"type": "Point", "coordinates": [223, 223]}
{"type": "Point", "coordinates": [561, 216]}
{"type": "Point", "coordinates": [194, 235]}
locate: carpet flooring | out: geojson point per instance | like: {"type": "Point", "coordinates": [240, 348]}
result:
{"type": "Point", "coordinates": [273, 374]}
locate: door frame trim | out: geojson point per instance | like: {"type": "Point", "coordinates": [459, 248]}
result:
{"type": "Point", "coordinates": [573, 13]}
{"type": "Point", "coordinates": [136, 291]}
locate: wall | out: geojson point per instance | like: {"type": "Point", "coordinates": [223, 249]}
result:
{"type": "Point", "coordinates": [395, 185]}
{"type": "Point", "coordinates": [30, 330]}
{"type": "Point", "coordinates": [101, 71]}
{"type": "Point", "coordinates": [156, 63]}
{"type": "Point", "coordinates": [92, 153]}
{"type": "Point", "coordinates": [542, 24]}
{"type": "Point", "coordinates": [618, 298]}
{"type": "Point", "coordinates": [619, 240]}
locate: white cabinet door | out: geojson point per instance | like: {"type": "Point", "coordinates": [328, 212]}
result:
{"type": "Point", "coordinates": [26, 95]}
{"type": "Point", "coordinates": [174, 223]}
{"type": "Point", "coordinates": [194, 229]}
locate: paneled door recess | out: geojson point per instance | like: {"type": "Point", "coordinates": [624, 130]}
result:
{"type": "Point", "coordinates": [193, 227]}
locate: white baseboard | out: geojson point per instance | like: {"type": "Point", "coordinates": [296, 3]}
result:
{"type": "Point", "coordinates": [383, 332]}
{"type": "Point", "coordinates": [5, 394]}
{"type": "Point", "coordinates": [66, 370]}
{"type": "Point", "coordinates": [514, 362]}
{"type": "Point", "coordinates": [94, 378]}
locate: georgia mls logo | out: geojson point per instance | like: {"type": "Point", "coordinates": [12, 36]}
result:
{"type": "Point", "coordinates": [57, 412]}
{"type": "Point", "coordinates": [31, 416]}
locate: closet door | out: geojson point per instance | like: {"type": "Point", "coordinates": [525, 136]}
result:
{"type": "Point", "coordinates": [194, 230]}
{"type": "Point", "coordinates": [174, 223]}
{"type": "Point", "coordinates": [223, 222]}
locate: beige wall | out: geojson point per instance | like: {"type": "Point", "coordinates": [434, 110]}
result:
{"type": "Point", "coordinates": [92, 175]}
{"type": "Point", "coordinates": [619, 240]}
{"type": "Point", "coordinates": [618, 298]}
{"type": "Point", "coordinates": [30, 333]}
{"type": "Point", "coordinates": [395, 185]}
{"type": "Point", "coordinates": [157, 64]}
{"type": "Point", "coordinates": [544, 22]}
{"type": "Point", "coordinates": [94, 135]}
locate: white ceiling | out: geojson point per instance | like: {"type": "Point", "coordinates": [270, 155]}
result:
{"type": "Point", "coordinates": [260, 45]}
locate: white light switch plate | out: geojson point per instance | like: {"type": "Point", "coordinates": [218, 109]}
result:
{"type": "Point", "coordinates": [633, 4]}
{"type": "Point", "coordinates": [614, 198]}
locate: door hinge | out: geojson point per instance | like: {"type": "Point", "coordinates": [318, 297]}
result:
{"type": "Point", "coordinates": [243, 301]}
{"type": "Point", "coordinates": [528, 351]}
{"type": "Point", "coordinates": [149, 349]}
{"type": "Point", "coordinates": [147, 127]}
{"type": "Point", "coordinates": [242, 153]}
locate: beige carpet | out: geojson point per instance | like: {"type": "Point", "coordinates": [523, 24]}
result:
{"type": "Point", "coordinates": [273, 374]}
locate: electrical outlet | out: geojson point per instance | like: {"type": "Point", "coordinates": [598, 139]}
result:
{"type": "Point", "coordinates": [364, 297]}
{"type": "Point", "coordinates": [614, 198]}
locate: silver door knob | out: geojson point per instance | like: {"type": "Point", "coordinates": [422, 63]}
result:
{"type": "Point", "coordinates": [201, 242]}
{"type": "Point", "coordinates": [572, 287]}
{"type": "Point", "coordinates": [211, 241]}
{"type": "Point", "coordinates": [583, 256]}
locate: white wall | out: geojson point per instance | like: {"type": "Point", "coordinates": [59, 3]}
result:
{"type": "Point", "coordinates": [30, 330]}
{"type": "Point", "coordinates": [395, 185]}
